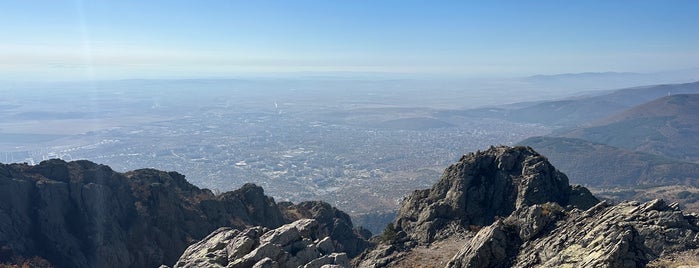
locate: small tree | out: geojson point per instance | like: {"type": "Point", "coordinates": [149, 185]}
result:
{"type": "Point", "coordinates": [390, 234]}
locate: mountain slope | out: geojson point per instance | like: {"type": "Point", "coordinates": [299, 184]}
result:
{"type": "Point", "coordinates": [668, 126]}
{"type": "Point", "coordinates": [601, 165]}
{"type": "Point", "coordinates": [577, 111]}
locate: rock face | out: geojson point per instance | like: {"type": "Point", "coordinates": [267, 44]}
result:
{"type": "Point", "coordinates": [516, 210]}
{"type": "Point", "coordinates": [333, 223]}
{"type": "Point", "coordinates": [626, 235]}
{"type": "Point", "coordinates": [493, 247]}
{"type": "Point", "coordinates": [483, 186]}
{"type": "Point", "coordinates": [81, 214]}
{"type": "Point", "coordinates": [298, 244]}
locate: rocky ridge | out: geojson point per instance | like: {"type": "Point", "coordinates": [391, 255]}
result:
{"type": "Point", "coordinates": [513, 209]}
{"type": "Point", "coordinates": [503, 207]}
{"type": "Point", "coordinates": [298, 244]}
{"type": "Point", "coordinates": [629, 234]}
{"type": "Point", "coordinates": [484, 185]}
{"type": "Point", "coordinates": [81, 214]}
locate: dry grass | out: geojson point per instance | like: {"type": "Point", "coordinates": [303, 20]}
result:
{"type": "Point", "coordinates": [435, 255]}
{"type": "Point", "coordinates": [685, 259]}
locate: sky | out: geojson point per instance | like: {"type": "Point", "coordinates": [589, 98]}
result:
{"type": "Point", "coordinates": [98, 39]}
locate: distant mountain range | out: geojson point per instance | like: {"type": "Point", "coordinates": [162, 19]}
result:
{"type": "Point", "coordinates": [611, 80]}
{"type": "Point", "coordinates": [668, 126]}
{"type": "Point", "coordinates": [600, 165]}
{"type": "Point", "coordinates": [577, 111]}
{"type": "Point", "coordinates": [643, 138]}
{"type": "Point", "coordinates": [655, 143]}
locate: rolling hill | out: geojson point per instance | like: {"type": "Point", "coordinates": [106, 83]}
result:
{"type": "Point", "coordinates": [668, 126]}
{"type": "Point", "coordinates": [577, 111]}
{"type": "Point", "coordinates": [600, 165]}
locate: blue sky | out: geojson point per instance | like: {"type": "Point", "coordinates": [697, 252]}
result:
{"type": "Point", "coordinates": [75, 40]}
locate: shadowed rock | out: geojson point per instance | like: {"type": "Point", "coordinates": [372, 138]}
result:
{"type": "Point", "coordinates": [81, 214]}
{"type": "Point", "coordinates": [486, 185]}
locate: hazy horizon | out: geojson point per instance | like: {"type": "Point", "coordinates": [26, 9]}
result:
{"type": "Point", "coordinates": [102, 40]}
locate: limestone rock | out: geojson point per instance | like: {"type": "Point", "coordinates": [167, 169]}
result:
{"type": "Point", "coordinates": [291, 245]}
{"type": "Point", "coordinates": [625, 235]}
{"type": "Point", "coordinates": [493, 246]}
{"type": "Point", "coordinates": [266, 263]}
{"type": "Point", "coordinates": [332, 223]}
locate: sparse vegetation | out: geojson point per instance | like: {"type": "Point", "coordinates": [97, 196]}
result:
{"type": "Point", "coordinates": [390, 234]}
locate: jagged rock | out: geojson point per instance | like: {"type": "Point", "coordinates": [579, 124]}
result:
{"type": "Point", "coordinates": [282, 236]}
{"type": "Point", "coordinates": [326, 245]}
{"type": "Point", "coordinates": [483, 186]}
{"type": "Point", "coordinates": [521, 209]}
{"type": "Point", "coordinates": [532, 218]}
{"type": "Point", "coordinates": [332, 260]}
{"type": "Point", "coordinates": [381, 256]}
{"type": "Point", "coordinates": [530, 221]}
{"type": "Point", "coordinates": [240, 246]}
{"type": "Point", "coordinates": [291, 245]}
{"type": "Point", "coordinates": [266, 263]}
{"type": "Point", "coordinates": [580, 197]}
{"type": "Point", "coordinates": [212, 250]}
{"type": "Point", "coordinates": [81, 214]}
{"type": "Point", "coordinates": [493, 246]}
{"type": "Point", "coordinates": [252, 205]}
{"type": "Point", "coordinates": [332, 223]}
{"type": "Point", "coordinates": [625, 235]}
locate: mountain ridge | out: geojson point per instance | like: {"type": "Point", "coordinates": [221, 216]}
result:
{"type": "Point", "coordinates": [602, 165]}
{"type": "Point", "coordinates": [81, 214]}
{"type": "Point", "coordinates": [502, 207]}
{"type": "Point", "coordinates": [579, 110]}
{"type": "Point", "coordinates": [666, 126]}
{"type": "Point", "coordinates": [534, 230]}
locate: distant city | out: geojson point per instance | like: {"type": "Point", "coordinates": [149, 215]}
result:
{"type": "Point", "coordinates": [357, 150]}
{"type": "Point", "coordinates": [292, 157]}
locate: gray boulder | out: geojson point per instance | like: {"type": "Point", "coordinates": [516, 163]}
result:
{"type": "Point", "coordinates": [625, 235]}
{"type": "Point", "coordinates": [291, 245]}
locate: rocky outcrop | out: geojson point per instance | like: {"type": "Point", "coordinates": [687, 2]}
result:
{"type": "Point", "coordinates": [498, 244]}
{"type": "Point", "coordinates": [508, 207]}
{"type": "Point", "coordinates": [81, 214]}
{"type": "Point", "coordinates": [332, 223]}
{"type": "Point", "coordinates": [297, 244]}
{"type": "Point", "coordinates": [629, 234]}
{"type": "Point", "coordinates": [71, 214]}
{"type": "Point", "coordinates": [483, 186]}
{"type": "Point", "coordinates": [516, 210]}
{"type": "Point", "coordinates": [493, 246]}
